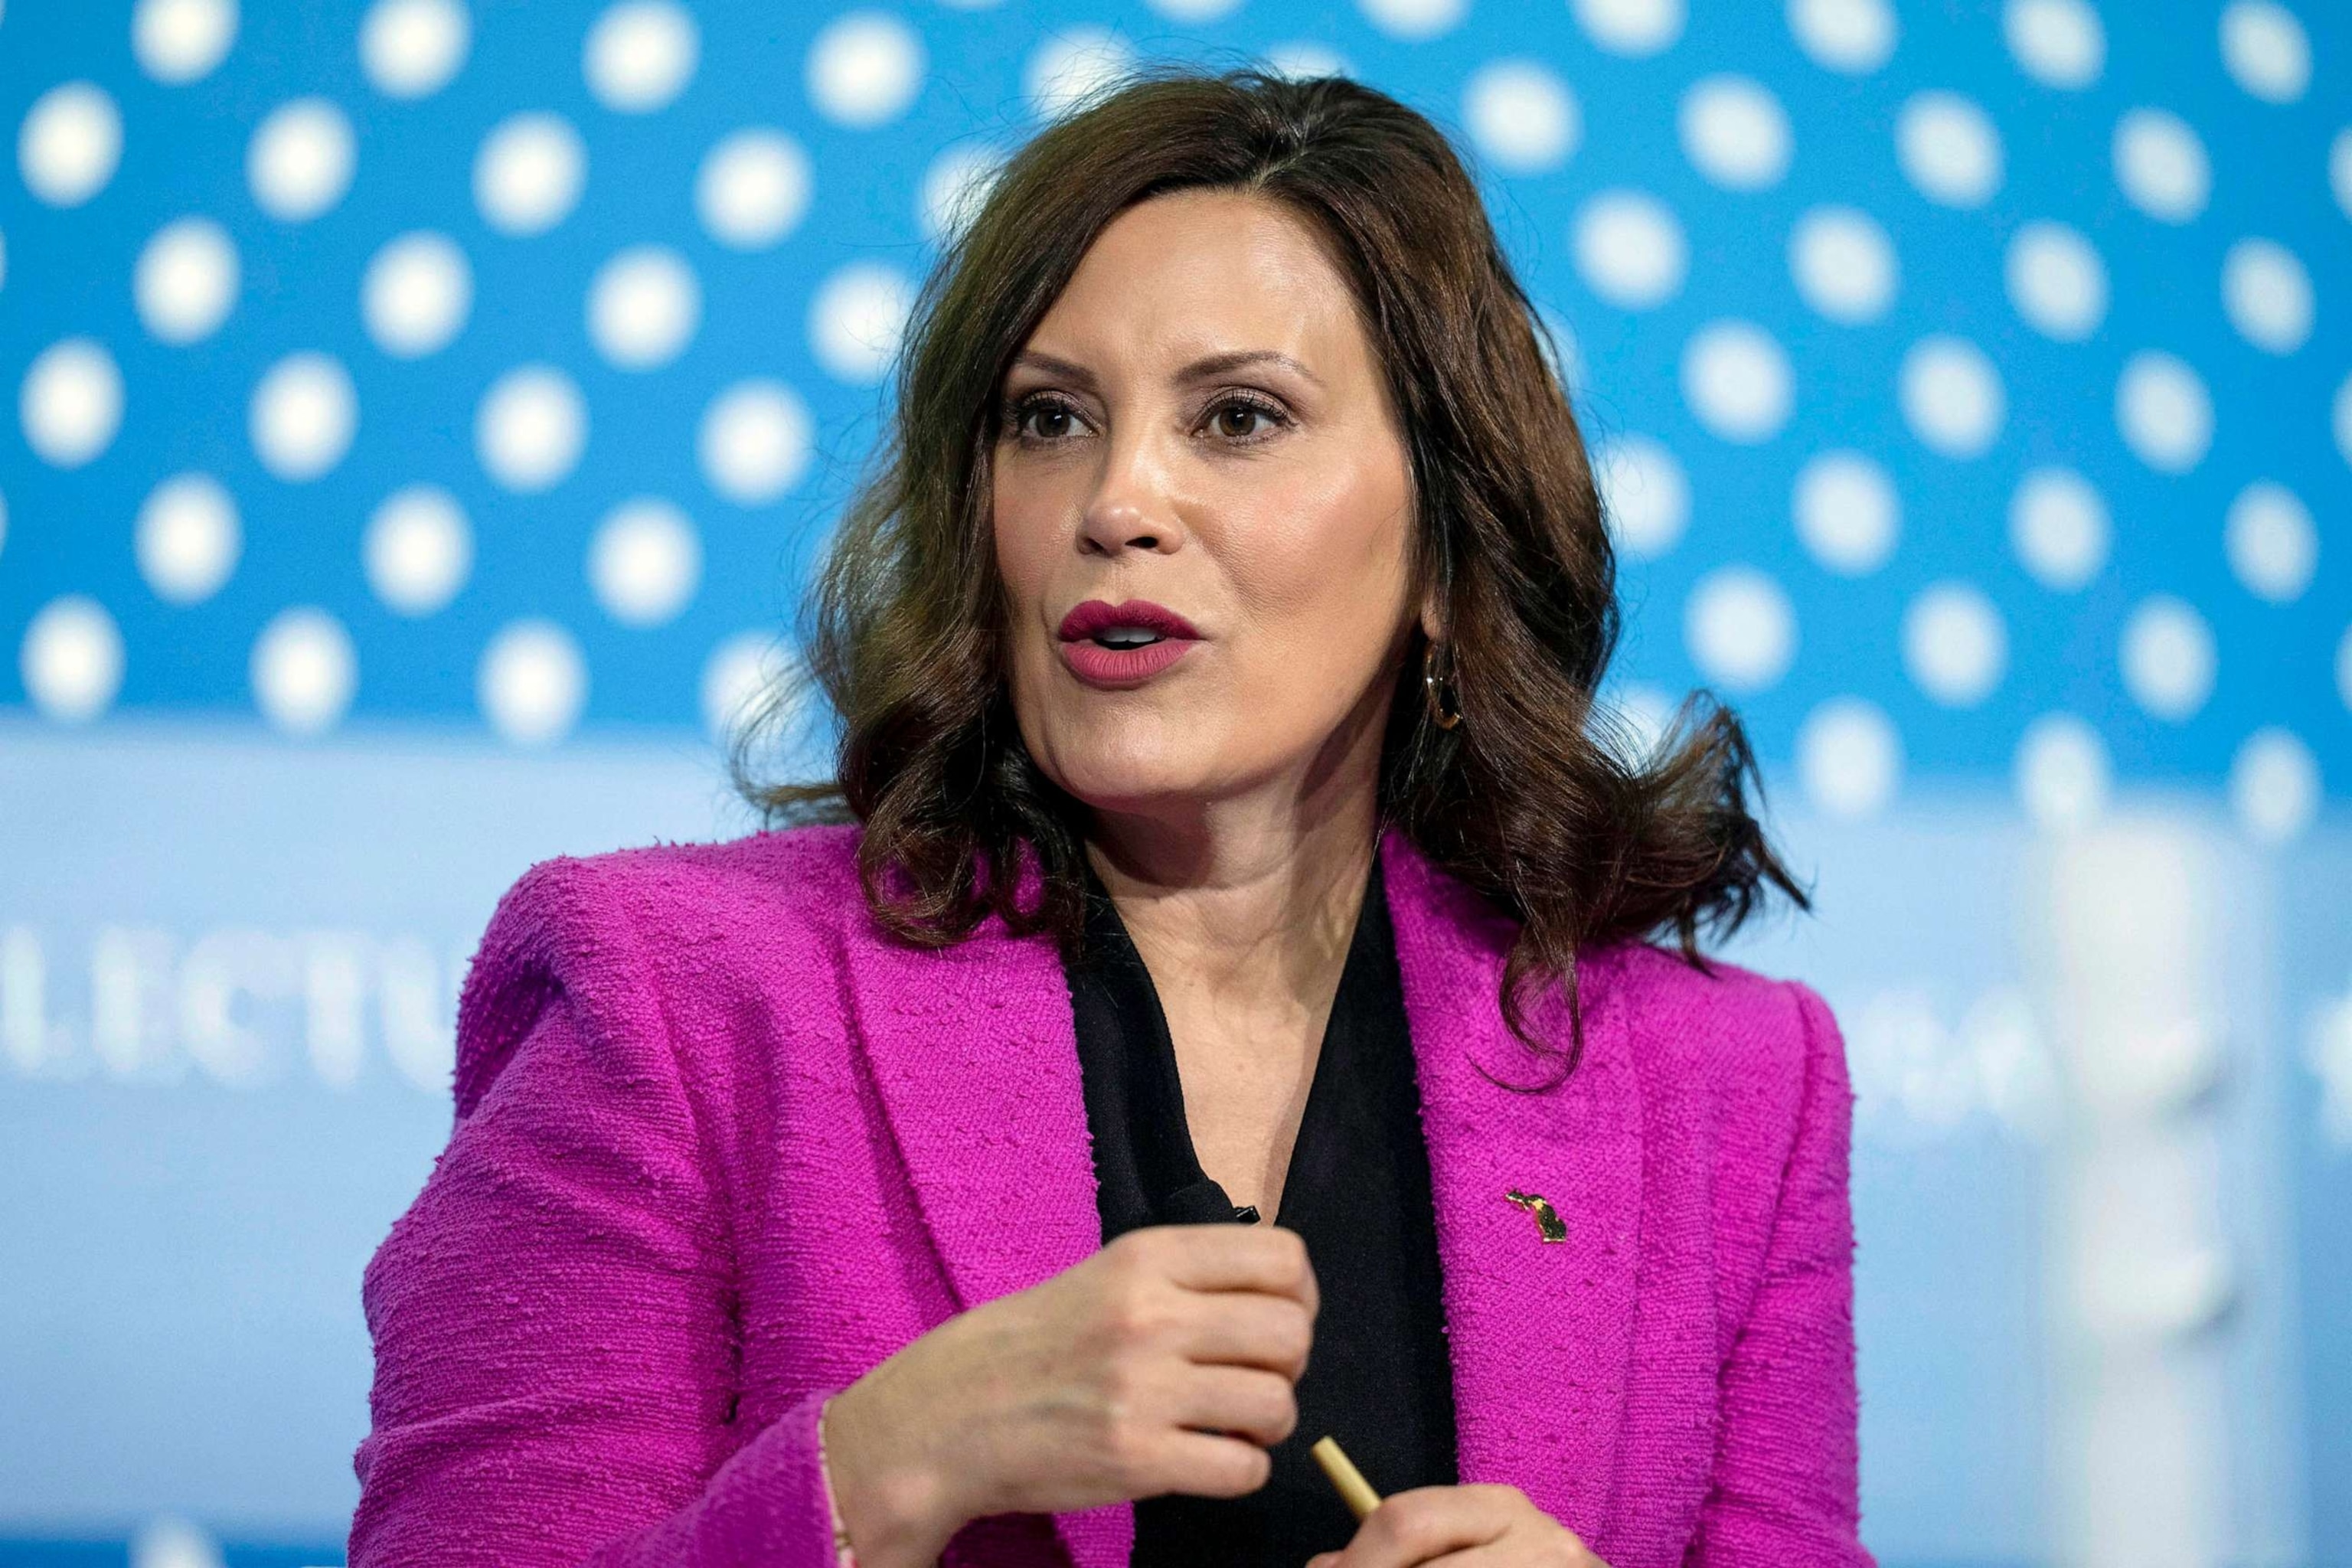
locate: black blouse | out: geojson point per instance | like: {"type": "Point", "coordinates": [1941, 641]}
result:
{"type": "Point", "coordinates": [1378, 1378]}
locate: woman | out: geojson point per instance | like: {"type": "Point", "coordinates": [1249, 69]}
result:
{"type": "Point", "coordinates": [1223, 828]}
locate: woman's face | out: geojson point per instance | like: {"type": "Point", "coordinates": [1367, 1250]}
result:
{"type": "Point", "coordinates": [1199, 422]}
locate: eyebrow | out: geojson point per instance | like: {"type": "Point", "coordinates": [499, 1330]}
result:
{"type": "Point", "coordinates": [1199, 370]}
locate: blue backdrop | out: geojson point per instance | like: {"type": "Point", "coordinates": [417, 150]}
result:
{"type": "Point", "coordinates": [427, 412]}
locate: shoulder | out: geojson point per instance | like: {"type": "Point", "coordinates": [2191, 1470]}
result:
{"type": "Point", "coordinates": [635, 939]}
{"type": "Point", "coordinates": [798, 871]}
{"type": "Point", "coordinates": [644, 904]}
{"type": "Point", "coordinates": [1745, 1058]}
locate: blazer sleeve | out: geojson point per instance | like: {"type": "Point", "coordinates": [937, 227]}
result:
{"type": "Point", "coordinates": [556, 1344]}
{"type": "Point", "coordinates": [1787, 1484]}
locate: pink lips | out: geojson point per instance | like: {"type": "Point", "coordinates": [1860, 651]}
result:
{"type": "Point", "coordinates": [1118, 668]}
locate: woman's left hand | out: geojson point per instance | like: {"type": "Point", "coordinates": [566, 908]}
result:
{"type": "Point", "coordinates": [1477, 1526]}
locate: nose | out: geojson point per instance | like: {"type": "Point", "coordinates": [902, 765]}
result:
{"type": "Point", "coordinates": [1130, 506]}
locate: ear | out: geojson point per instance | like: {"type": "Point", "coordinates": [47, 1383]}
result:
{"type": "Point", "coordinates": [1432, 616]}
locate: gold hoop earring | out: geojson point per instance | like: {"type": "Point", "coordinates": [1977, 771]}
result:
{"type": "Point", "coordinates": [1446, 709]}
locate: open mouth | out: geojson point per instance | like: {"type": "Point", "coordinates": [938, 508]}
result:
{"type": "Point", "coordinates": [1126, 636]}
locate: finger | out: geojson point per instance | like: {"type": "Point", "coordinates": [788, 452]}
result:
{"type": "Point", "coordinates": [1424, 1523]}
{"type": "Point", "coordinates": [1203, 1464]}
{"type": "Point", "coordinates": [1268, 1259]}
{"type": "Point", "coordinates": [1231, 1328]}
{"type": "Point", "coordinates": [1243, 1401]}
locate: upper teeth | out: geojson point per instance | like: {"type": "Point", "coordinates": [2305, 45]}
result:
{"type": "Point", "coordinates": [1127, 636]}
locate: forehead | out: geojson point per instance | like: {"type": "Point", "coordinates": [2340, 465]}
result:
{"type": "Point", "coordinates": [1199, 270]}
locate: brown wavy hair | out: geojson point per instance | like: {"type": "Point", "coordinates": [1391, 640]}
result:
{"type": "Point", "coordinates": [1542, 798]}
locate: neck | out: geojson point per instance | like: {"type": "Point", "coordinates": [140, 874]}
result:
{"type": "Point", "coordinates": [1251, 900]}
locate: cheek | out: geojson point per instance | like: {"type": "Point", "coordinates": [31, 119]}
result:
{"type": "Point", "coordinates": [1323, 573]}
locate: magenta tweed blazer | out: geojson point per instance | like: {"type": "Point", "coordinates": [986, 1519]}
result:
{"type": "Point", "coordinates": [721, 1146]}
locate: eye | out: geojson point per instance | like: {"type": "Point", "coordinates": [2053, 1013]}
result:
{"type": "Point", "coordinates": [1231, 415]}
{"type": "Point", "coordinates": [1043, 407]}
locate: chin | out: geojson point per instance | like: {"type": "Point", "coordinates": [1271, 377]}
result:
{"type": "Point", "coordinates": [1124, 783]}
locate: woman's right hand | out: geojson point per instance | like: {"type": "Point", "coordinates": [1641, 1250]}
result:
{"type": "Point", "coordinates": [1164, 1363]}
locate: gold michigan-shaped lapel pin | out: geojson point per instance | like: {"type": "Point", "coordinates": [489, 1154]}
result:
{"type": "Point", "coordinates": [1548, 1222]}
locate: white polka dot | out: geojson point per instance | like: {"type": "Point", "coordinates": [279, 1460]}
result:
{"type": "Point", "coordinates": [1630, 27]}
{"type": "Point", "coordinates": [417, 295]}
{"type": "Point", "coordinates": [1301, 60]}
{"type": "Point", "coordinates": [1734, 133]}
{"type": "Point", "coordinates": [2058, 527]}
{"type": "Point", "coordinates": [644, 307]}
{"type": "Point", "coordinates": [1072, 66]}
{"type": "Point", "coordinates": [1736, 380]}
{"type": "Point", "coordinates": [532, 682]}
{"type": "Point", "coordinates": [303, 416]}
{"type": "Point", "coordinates": [1413, 20]}
{"type": "Point", "coordinates": [2163, 411]}
{"type": "Point", "coordinates": [1629, 249]}
{"type": "Point", "coordinates": [2058, 43]}
{"type": "Point", "coordinates": [2343, 668]}
{"type": "Point", "coordinates": [1955, 646]}
{"type": "Point", "coordinates": [2339, 169]}
{"type": "Point", "coordinates": [1645, 495]}
{"type": "Point", "coordinates": [865, 68]}
{"type": "Point", "coordinates": [1948, 149]}
{"type": "Point", "coordinates": [529, 174]}
{"type": "Point", "coordinates": [753, 189]}
{"type": "Point", "coordinates": [1847, 512]}
{"type": "Point", "coordinates": [71, 402]}
{"type": "Point", "coordinates": [1843, 264]}
{"type": "Point", "coordinates": [2056, 281]}
{"type": "Point", "coordinates": [185, 280]}
{"type": "Point", "coordinates": [1952, 396]}
{"type": "Point", "coordinates": [1855, 36]}
{"type": "Point", "coordinates": [304, 670]}
{"type": "Point", "coordinates": [1521, 116]}
{"type": "Point", "coordinates": [2267, 294]}
{"type": "Point", "coordinates": [2266, 50]}
{"type": "Point", "coordinates": [2271, 542]}
{"type": "Point", "coordinates": [1849, 758]}
{"type": "Point", "coordinates": [411, 49]}
{"type": "Point", "coordinates": [1740, 629]}
{"type": "Point", "coordinates": [71, 658]}
{"type": "Point", "coordinates": [301, 159]}
{"type": "Point", "coordinates": [645, 561]}
{"type": "Point", "coordinates": [740, 675]}
{"type": "Point", "coordinates": [4, 261]}
{"type": "Point", "coordinates": [2168, 658]}
{"type": "Point", "coordinates": [755, 441]}
{"type": "Point", "coordinates": [1632, 720]}
{"type": "Point", "coordinates": [418, 550]}
{"type": "Point", "coordinates": [2275, 786]}
{"type": "Point", "coordinates": [182, 40]}
{"type": "Point", "coordinates": [2062, 772]}
{"type": "Point", "coordinates": [4, 523]}
{"type": "Point", "coordinates": [2162, 166]}
{"type": "Point", "coordinates": [955, 187]}
{"type": "Point", "coordinates": [2343, 418]}
{"type": "Point", "coordinates": [640, 54]}
{"type": "Point", "coordinates": [188, 537]}
{"type": "Point", "coordinates": [166, 1542]}
{"type": "Point", "coordinates": [855, 320]}
{"type": "Point", "coordinates": [70, 143]}
{"type": "Point", "coordinates": [531, 428]}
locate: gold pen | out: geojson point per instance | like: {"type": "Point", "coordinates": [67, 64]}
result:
{"type": "Point", "coordinates": [1356, 1491]}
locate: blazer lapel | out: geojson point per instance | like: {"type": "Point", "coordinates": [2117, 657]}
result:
{"type": "Point", "coordinates": [973, 1054]}
{"type": "Point", "coordinates": [1540, 1332]}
